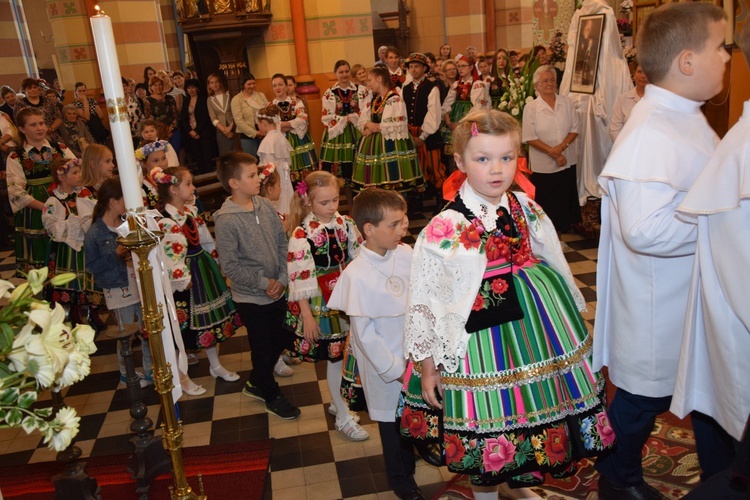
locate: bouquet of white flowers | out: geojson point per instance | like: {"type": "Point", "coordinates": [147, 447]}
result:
{"type": "Point", "coordinates": [557, 48]}
{"type": "Point", "coordinates": [520, 91]}
{"type": "Point", "coordinates": [626, 6]}
{"type": "Point", "coordinates": [38, 351]}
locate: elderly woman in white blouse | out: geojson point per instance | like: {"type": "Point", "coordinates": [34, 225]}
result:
{"type": "Point", "coordinates": [625, 103]}
{"type": "Point", "coordinates": [550, 127]}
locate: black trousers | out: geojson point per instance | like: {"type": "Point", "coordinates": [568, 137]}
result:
{"type": "Point", "coordinates": [399, 458]}
{"type": "Point", "coordinates": [268, 338]}
{"type": "Point", "coordinates": [558, 195]}
{"type": "Point", "coordinates": [633, 417]}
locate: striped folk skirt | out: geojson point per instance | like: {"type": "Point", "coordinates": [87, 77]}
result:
{"type": "Point", "coordinates": [304, 157]}
{"type": "Point", "coordinates": [387, 164]}
{"type": "Point", "coordinates": [458, 111]}
{"type": "Point", "coordinates": [205, 312]}
{"type": "Point", "coordinates": [337, 154]}
{"type": "Point", "coordinates": [525, 400]}
{"type": "Point", "coordinates": [81, 290]}
{"type": "Point", "coordinates": [32, 240]}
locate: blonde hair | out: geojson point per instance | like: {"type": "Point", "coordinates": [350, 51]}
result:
{"type": "Point", "coordinates": [300, 205]}
{"type": "Point", "coordinates": [671, 29]}
{"type": "Point", "coordinates": [92, 156]}
{"type": "Point", "coordinates": [487, 121]}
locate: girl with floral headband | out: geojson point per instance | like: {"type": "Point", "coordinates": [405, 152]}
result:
{"type": "Point", "coordinates": [501, 379]}
{"type": "Point", "coordinates": [29, 178]}
{"type": "Point", "coordinates": [205, 310]}
{"type": "Point", "coordinates": [275, 150]}
{"type": "Point", "coordinates": [321, 244]}
{"type": "Point", "coordinates": [151, 156]}
{"type": "Point", "coordinates": [63, 224]}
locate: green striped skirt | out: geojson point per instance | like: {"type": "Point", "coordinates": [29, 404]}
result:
{"type": "Point", "coordinates": [525, 400]}
{"type": "Point", "coordinates": [342, 148]}
{"type": "Point", "coordinates": [387, 164]}
{"type": "Point", "coordinates": [81, 290]}
{"type": "Point", "coordinates": [206, 312]}
{"type": "Point", "coordinates": [32, 240]}
{"type": "Point", "coordinates": [304, 157]}
{"type": "Point", "coordinates": [458, 111]}
{"type": "Point", "coordinates": [351, 383]}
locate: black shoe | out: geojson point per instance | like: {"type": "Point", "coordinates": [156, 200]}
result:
{"type": "Point", "coordinates": [282, 408]}
{"type": "Point", "coordinates": [611, 491]}
{"type": "Point", "coordinates": [414, 494]}
{"type": "Point", "coordinates": [252, 392]}
{"type": "Point", "coordinates": [432, 453]}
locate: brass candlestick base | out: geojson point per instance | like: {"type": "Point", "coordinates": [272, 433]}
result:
{"type": "Point", "coordinates": [141, 242]}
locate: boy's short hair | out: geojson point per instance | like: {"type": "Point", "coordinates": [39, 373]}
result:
{"type": "Point", "coordinates": [671, 29]}
{"type": "Point", "coordinates": [370, 205]}
{"type": "Point", "coordinates": [392, 49]}
{"type": "Point", "coordinates": [229, 166]}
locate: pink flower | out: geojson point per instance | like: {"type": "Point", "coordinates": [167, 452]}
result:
{"type": "Point", "coordinates": [299, 254]}
{"type": "Point", "coordinates": [320, 238]}
{"type": "Point", "coordinates": [439, 229]}
{"type": "Point", "coordinates": [604, 429]}
{"type": "Point", "coordinates": [498, 453]}
{"type": "Point", "coordinates": [207, 339]}
{"type": "Point", "coordinates": [304, 347]}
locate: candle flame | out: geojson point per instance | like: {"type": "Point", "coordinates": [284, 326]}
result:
{"type": "Point", "coordinates": [99, 11]}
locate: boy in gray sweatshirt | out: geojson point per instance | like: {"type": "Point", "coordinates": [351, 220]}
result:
{"type": "Point", "coordinates": [252, 248]}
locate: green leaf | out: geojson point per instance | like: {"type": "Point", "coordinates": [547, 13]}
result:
{"type": "Point", "coordinates": [29, 424]}
{"type": "Point", "coordinates": [9, 396]}
{"type": "Point", "coordinates": [6, 338]}
{"type": "Point", "coordinates": [43, 412]}
{"type": "Point", "coordinates": [14, 417]}
{"type": "Point", "coordinates": [5, 370]}
{"type": "Point", "coordinates": [27, 399]}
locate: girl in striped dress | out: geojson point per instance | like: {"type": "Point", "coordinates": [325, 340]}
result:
{"type": "Point", "coordinates": [466, 94]}
{"type": "Point", "coordinates": [294, 123]}
{"type": "Point", "coordinates": [29, 178]}
{"type": "Point", "coordinates": [64, 226]}
{"type": "Point", "coordinates": [342, 104]}
{"type": "Point", "coordinates": [205, 310]}
{"type": "Point", "coordinates": [501, 375]}
{"type": "Point", "coordinates": [387, 157]}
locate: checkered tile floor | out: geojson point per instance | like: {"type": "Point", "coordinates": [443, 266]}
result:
{"type": "Point", "coordinates": [310, 459]}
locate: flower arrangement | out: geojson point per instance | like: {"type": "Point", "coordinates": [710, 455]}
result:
{"type": "Point", "coordinates": [626, 6]}
{"type": "Point", "coordinates": [143, 152]}
{"type": "Point", "coordinates": [557, 48]}
{"type": "Point", "coordinates": [624, 26]}
{"type": "Point", "coordinates": [630, 54]}
{"type": "Point", "coordinates": [38, 351]}
{"type": "Point", "coordinates": [160, 177]}
{"type": "Point", "coordinates": [520, 91]}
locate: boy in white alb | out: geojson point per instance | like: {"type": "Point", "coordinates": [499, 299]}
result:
{"type": "Point", "coordinates": [372, 291]}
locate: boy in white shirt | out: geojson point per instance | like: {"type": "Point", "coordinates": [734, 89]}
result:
{"type": "Point", "coordinates": [372, 291]}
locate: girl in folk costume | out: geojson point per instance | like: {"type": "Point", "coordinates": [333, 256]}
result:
{"type": "Point", "coordinates": [61, 220]}
{"type": "Point", "coordinates": [321, 244]}
{"type": "Point", "coordinates": [29, 178]}
{"type": "Point", "coordinates": [275, 150]}
{"type": "Point", "coordinates": [97, 165]}
{"type": "Point", "coordinates": [395, 73]}
{"type": "Point", "coordinates": [498, 77]}
{"type": "Point", "coordinates": [205, 310]}
{"type": "Point", "coordinates": [291, 89]}
{"type": "Point", "coordinates": [387, 157]}
{"type": "Point", "coordinates": [294, 125]}
{"type": "Point", "coordinates": [342, 104]}
{"type": "Point", "coordinates": [501, 374]}
{"type": "Point", "coordinates": [149, 132]}
{"type": "Point", "coordinates": [466, 94]}
{"type": "Point", "coordinates": [151, 156]}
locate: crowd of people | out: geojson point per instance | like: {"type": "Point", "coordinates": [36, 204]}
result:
{"type": "Point", "coordinates": [469, 348]}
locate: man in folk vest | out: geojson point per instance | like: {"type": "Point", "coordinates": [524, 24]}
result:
{"type": "Point", "coordinates": [422, 99]}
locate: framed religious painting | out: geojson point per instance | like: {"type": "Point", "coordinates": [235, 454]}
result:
{"type": "Point", "coordinates": [586, 56]}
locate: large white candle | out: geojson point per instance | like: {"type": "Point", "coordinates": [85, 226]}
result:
{"type": "Point", "coordinates": [109, 69]}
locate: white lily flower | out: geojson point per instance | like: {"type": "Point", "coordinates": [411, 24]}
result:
{"type": "Point", "coordinates": [36, 279]}
{"type": "Point", "coordinates": [62, 279]}
{"type": "Point", "coordinates": [4, 287]}
{"type": "Point", "coordinates": [55, 339]}
{"type": "Point", "coordinates": [19, 356]}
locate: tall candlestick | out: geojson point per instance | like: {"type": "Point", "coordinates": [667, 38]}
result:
{"type": "Point", "coordinates": [109, 68]}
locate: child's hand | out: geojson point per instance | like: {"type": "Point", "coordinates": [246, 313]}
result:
{"type": "Point", "coordinates": [432, 387]}
{"type": "Point", "coordinates": [311, 329]}
{"type": "Point", "coordinates": [122, 252]}
{"type": "Point", "coordinates": [274, 289]}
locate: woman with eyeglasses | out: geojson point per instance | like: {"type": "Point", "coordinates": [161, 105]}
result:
{"type": "Point", "coordinates": [550, 127]}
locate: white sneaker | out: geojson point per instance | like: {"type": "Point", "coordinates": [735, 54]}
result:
{"type": "Point", "coordinates": [280, 369]}
{"type": "Point", "coordinates": [290, 360]}
{"type": "Point", "coordinates": [334, 411]}
{"type": "Point", "coordinates": [352, 430]}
